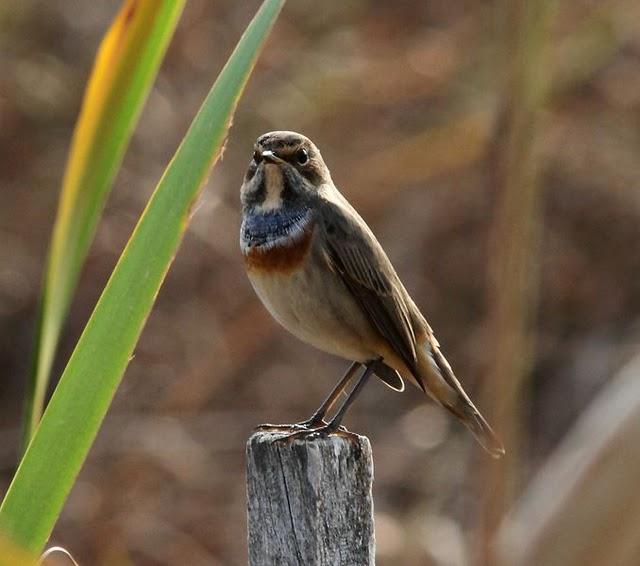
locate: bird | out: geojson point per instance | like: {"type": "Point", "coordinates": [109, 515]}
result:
{"type": "Point", "coordinates": [321, 273]}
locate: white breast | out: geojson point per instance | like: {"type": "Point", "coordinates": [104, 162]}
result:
{"type": "Point", "coordinates": [313, 304]}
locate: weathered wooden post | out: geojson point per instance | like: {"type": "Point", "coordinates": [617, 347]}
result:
{"type": "Point", "coordinates": [309, 501]}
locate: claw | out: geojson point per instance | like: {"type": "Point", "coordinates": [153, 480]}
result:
{"type": "Point", "coordinates": [303, 426]}
{"type": "Point", "coordinates": [321, 431]}
{"type": "Point", "coordinates": [276, 427]}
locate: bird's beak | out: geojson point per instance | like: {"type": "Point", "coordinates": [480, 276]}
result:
{"type": "Point", "coordinates": [270, 157]}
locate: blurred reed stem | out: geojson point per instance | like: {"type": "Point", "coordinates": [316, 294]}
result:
{"type": "Point", "coordinates": [513, 248]}
{"type": "Point", "coordinates": [582, 508]}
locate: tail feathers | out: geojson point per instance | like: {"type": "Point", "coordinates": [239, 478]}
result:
{"type": "Point", "coordinates": [479, 427]}
{"type": "Point", "coordinates": [457, 402]}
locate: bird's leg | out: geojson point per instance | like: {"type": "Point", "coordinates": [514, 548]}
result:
{"type": "Point", "coordinates": [317, 419]}
{"type": "Point", "coordinates": [334, 424]}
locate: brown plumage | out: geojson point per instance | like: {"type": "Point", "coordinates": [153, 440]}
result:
{"type": "Point", "coordinates": [284, 258]}
{"type": "Point", "coordinates": [323, 275]}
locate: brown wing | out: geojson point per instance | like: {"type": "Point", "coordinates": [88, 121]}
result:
{"type": "Point", "coordinates": [355, 254]}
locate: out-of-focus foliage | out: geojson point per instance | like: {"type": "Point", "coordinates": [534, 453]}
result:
{"type": "Point", "coordinates": [582, 509]}
{"type": "Point", "coordinates": [71, 421]}
{"type": "Point", "coordinates": [124, 70]}
{"type": "Point", "coordinates": [402, 100]}
{"type": "Point", "coordinates": [513, 269]}
{"type": "Point", "coordinates": [12, 555]}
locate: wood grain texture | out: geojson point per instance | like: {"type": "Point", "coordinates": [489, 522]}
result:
{"type": "Point", "coordinates": [309, 501]}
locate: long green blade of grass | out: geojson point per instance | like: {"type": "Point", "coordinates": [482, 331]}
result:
{"type": "Point", "coordinates": [12, 555]}
{"type": "Point", "coordinates": [79, 403]}
{"type": "Point", "coordinates": [124, 70]}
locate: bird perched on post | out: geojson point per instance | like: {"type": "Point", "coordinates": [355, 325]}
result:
{"type": "Point", "coordinates": [323, 275]}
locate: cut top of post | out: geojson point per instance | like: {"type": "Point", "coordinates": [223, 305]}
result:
{"type": "Point", "coordinates": [309, 501]}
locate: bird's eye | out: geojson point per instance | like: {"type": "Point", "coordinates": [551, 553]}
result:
{"type": "Point", "coordinates": [302, 156]}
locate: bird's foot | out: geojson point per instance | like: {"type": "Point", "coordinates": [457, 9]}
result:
{"type": "Point", "coordinates": [312, 423]}
{"type": "Point", "coordinates": [308, 425]}
{"type": "Point", "coordinates": [321, 431]}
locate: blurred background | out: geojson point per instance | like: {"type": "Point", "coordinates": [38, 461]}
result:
{"type": "Point", "coordinates": [495, 153]}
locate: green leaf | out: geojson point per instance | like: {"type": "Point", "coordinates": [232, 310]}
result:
{"type": "Point", "coordinates": [124, 70]}
{"type": "Point", "coordinates": [80, 402]}
{"type": "Point", "coordinates": [12, 555]}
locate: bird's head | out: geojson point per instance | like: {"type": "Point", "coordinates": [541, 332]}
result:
{"type": "Point", "coordinates": [286, 169]}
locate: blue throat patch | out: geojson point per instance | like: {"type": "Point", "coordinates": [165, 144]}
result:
{"type": "Point", "coordinates": [259, 229]}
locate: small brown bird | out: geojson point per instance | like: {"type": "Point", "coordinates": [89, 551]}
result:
{"type": "Point", "coordinates": [323, 275]}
